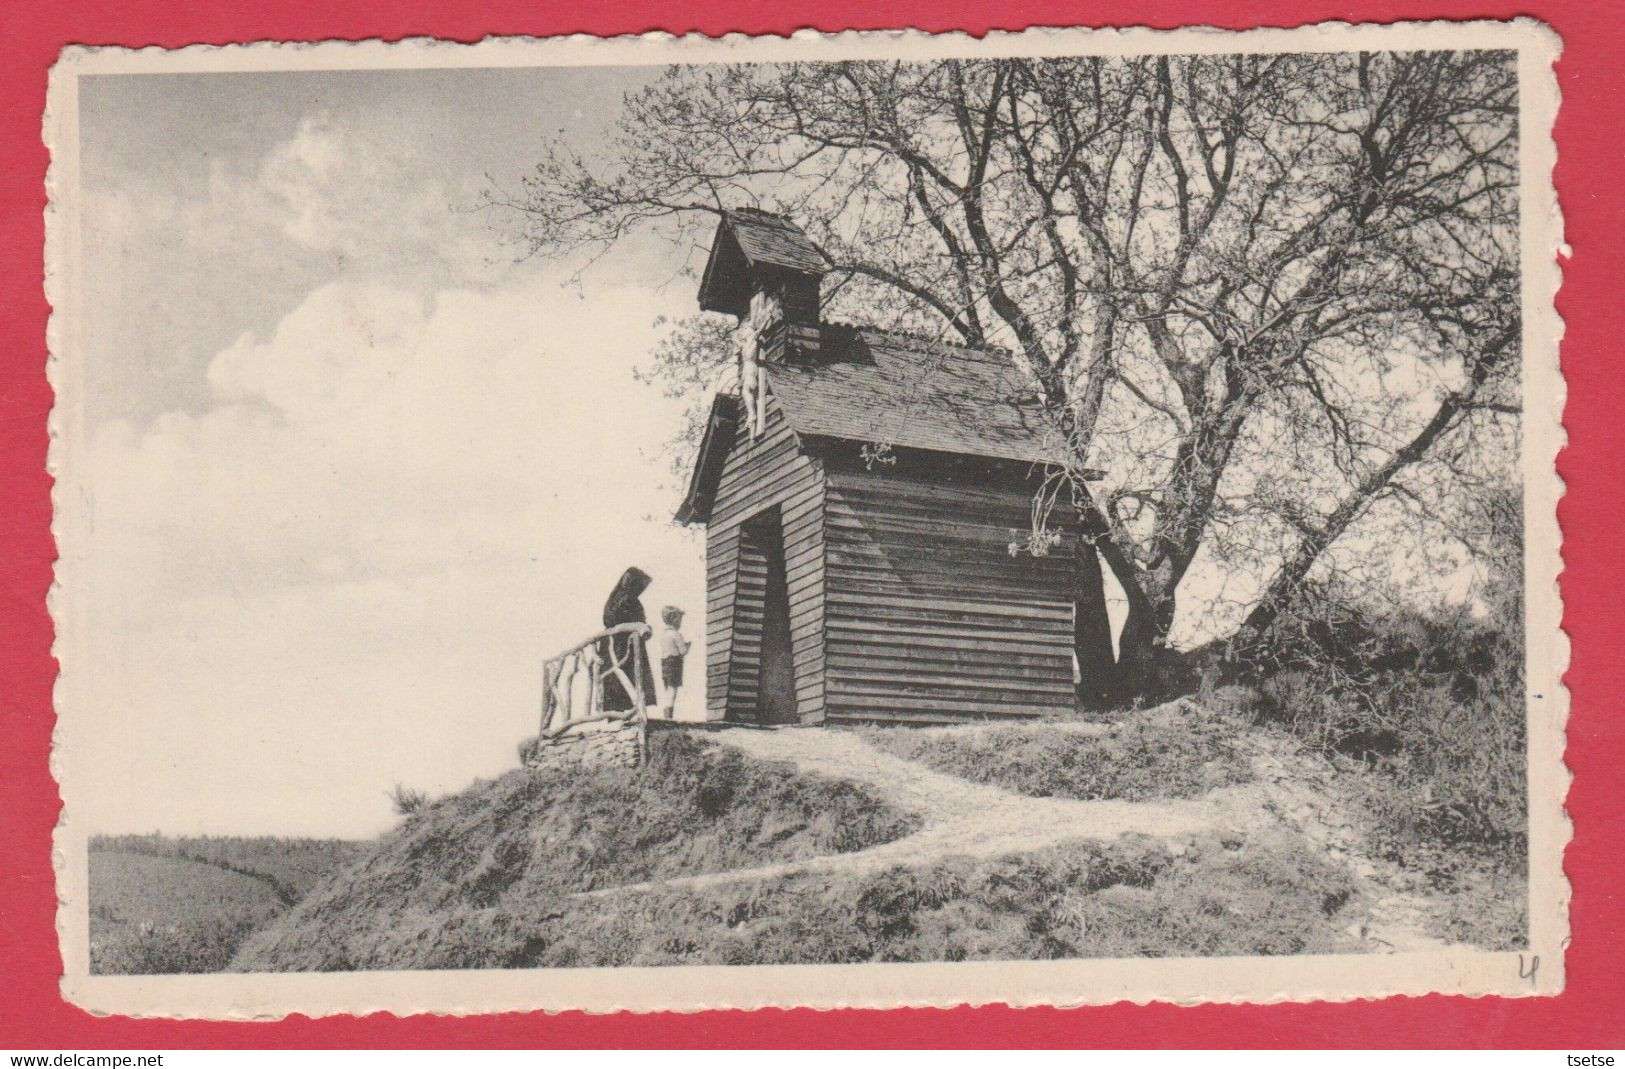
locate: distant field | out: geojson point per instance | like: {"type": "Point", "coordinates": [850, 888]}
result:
{"type": "Point", "coordinates": [161, 904]}
{"type": "Point", "coordinates": [291, 866]}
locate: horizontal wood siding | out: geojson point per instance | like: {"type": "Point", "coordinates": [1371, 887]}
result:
{"type": "Point", "coordinates": [721, 562]}
{"type": "Point", "coordinates": [929, 618]}
{"type": "Point", "coordinates": [761, 473]}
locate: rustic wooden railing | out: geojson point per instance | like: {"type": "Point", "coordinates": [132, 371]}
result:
{"type": "Point", "coordinates": [573, 682]}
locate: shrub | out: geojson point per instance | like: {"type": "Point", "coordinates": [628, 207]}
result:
{"type": "Point", "coordinates": [407, 801]}
{"type": "Point", "coordinates": [1434, 703]}
{"type": "Point", "coordinates": [195, 947]}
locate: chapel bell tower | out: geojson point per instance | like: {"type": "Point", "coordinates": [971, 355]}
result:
{"type": "Point", "coordinates": [765, 270]}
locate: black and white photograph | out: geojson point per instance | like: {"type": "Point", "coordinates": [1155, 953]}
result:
{"type": "Point", "coordinates": [870, 519]}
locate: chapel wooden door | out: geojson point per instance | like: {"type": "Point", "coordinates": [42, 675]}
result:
{"type": "Point", "coordinates": [775, 676]}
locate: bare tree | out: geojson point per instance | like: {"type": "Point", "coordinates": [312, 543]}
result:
{"type": "Point", "coordinates": [1264, 293]}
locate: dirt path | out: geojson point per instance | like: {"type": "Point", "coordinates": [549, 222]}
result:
{"type": "Point", "coordinates": [1301, 792]}
{"type": "Point", "coordinates": [961, 818]}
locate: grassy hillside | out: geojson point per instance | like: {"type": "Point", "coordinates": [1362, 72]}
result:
{"type": "Point", "coordinates": [1159, 753]}
{"type": "Point", "coordinates": [499, 875]}
{"type": "Point", "coordinates": [1129, 898]}
{"type": "Point", "coordinates": [462, 883]}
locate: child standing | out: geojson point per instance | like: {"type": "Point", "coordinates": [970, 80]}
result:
{"type": "Point", "coordinates": [673, 648]}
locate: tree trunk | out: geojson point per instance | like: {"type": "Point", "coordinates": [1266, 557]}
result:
{"type": "Point", "coordinates": [1092, 632]}
{"type": "Point", "coordinates": [1132, 674]}
{"type": "Point", "coordinates": [1143, 659]}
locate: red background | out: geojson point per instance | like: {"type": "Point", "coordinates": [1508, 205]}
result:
{"type": "Point", "coordinates": [1590, 135]}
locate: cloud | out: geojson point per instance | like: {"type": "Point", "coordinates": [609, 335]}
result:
{"type": "Point", "coordinates": [182, 268]}
{"type": "Point", "coordinates": [345, 570]}
{"type": "Point", "coordinates": [368, 197]}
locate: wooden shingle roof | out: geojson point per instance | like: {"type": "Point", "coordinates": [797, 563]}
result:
{"type": "Point", "coordinates": [874, 386]}
{"type": "Point", "coordinates": [752, 248]}
{"type": "Point", "coordinates": [769, 240]}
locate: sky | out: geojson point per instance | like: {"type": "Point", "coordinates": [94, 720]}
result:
{"type": "Point", "coordinates": [353, 470]}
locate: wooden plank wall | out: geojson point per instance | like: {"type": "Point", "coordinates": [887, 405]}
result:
{"type": "Point", "coordinates": [929, 616]}
{"type": "Point", "coordinates": [761, 473]}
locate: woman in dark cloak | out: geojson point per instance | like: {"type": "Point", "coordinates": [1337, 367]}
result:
{"type": "Point", "coordinates": [623, 607]}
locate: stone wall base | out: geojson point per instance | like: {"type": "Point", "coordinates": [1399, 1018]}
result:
{"type": "Point", "coordinates": [606, 743]}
